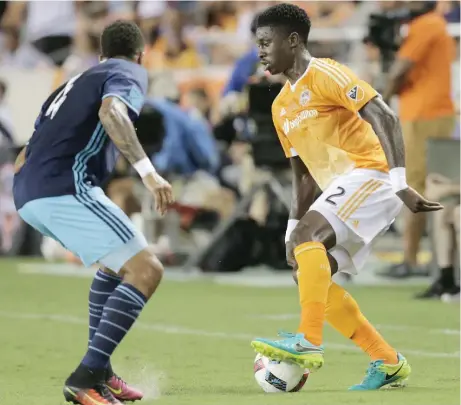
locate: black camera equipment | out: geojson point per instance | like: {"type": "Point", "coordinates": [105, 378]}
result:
{"type": "Point", "coordinates": [385, 29]}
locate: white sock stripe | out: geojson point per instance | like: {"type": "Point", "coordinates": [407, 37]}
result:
{"type": "Point", "coordinates": [93, 328]}
{"type": "Point", "coordinates": [133, 295]}
{"type": "Point", "coordinates": [120, 299]}
{"type": "Point", "coordinates": [103, 274]}
{"type": "Point", "coordinates": [95, 305]}
{"type": "Point", "coordinates": [95, 312]}
{"type": "Point", "coordinates": [332, 76]}
{"type": "Point", "coordinates": [122, 313]}
{"type": "Point", "coordinates": [98, 350]}
{"type": "Point", "coordinates": [114, 325]}
{"type": "Point", "coordinates": [99, 292]}
{"type": "Point", "coordinates": [106, 338]}
{"type": "Point", "coordinates": [99, 278]}
{"type": "Point", "coordinates": [130, 294]}
{"type": "Point", "coordinates": [334, 68]}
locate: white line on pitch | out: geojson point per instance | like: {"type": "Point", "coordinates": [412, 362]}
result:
{"type": "Point", "coordinates": [175, 329]}
{"type": "Point", "coordinates": [287, 317]}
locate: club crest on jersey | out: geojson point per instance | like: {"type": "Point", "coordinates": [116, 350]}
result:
{"type": "Point", "coordinates": [356, 94]}
{"type": "Point", "coordinates": [304, 97]}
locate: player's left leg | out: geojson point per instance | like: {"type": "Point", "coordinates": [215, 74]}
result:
{"type": "Point", "coordinates": [104, 283]}
{"type": "Point", "coordinates": [387, 367]}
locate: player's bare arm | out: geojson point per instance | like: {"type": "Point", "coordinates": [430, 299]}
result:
{"type": "Point", "coordinates": [117, 123]}
{"type": "Point", "coordinates": [304, 187]}
{"type": "Point", "coordinates": [303, 195]}
{"type": "Point", "coordinates": [386, 125]}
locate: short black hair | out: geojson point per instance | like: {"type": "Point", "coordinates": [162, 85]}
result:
{"type": "Point", "coordinates": [121, 38]}
{"type": "Point", "coordinates": [287, 16]}
{"type": "Point", "coordinates": [254, 24]}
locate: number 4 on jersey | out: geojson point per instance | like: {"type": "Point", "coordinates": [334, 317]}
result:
{"type": "Point", "coordinates": [60, 98]}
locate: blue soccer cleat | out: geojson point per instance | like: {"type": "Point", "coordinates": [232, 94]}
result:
{"type": "Point", "coordinates": [384, 375]}
{"type": "Point", "coordinates": [294, 349]}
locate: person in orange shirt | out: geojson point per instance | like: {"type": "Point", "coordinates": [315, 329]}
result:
{"type": "Point", "coordinates": [421, 76]}
{"type": "Point", "coordinates": [340, 135]}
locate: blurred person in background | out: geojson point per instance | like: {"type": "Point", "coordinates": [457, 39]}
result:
{"type": "Point", "coordinates": [444, 232]}
{"type": "Point", "coordinates": [421, 77]}
{"type": "Point", "coordinates": [47, 30]}
{"type": "Point", "coordinates": [6, 122]}
{"type": "Point", "coordinates": [168, 47]}
{"type": "Point", "coordinates": [9, 220]}
{"type": "Point", "coordinates": [189, 144]}
{"type": "Point", "coordinates": [245, 66]}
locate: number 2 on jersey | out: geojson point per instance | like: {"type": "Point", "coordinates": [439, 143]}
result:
{"type": "Point", "coordinates": [60, 98]}
{"type": "Point", "coordinates": [340, 193]}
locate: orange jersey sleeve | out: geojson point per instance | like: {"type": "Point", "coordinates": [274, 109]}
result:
{"type": "Point", "coordinates": [277, 114]}
{"type": "Point", "coordinates": [339, 85]}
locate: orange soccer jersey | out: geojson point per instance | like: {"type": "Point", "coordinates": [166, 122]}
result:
{"type": "Point", "coordinates": [318, 119]}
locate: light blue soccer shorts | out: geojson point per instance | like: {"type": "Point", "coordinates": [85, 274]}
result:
{"type": "Point", "coordinates": [90, 225]}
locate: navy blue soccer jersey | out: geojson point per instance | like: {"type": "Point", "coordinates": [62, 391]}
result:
{"type": "Point", "coordinates": [69, 151]}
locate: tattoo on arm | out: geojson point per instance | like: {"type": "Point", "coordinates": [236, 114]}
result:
{"type": "Point", "coordinates": [114, 117]}
{"type": "Point", "coordinates": [304, 188]}
{"type": "Point", "coordinates": [387, 127]}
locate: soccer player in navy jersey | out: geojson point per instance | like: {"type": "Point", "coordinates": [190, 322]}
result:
{"type": "Point", "coordinates": [81, 128]}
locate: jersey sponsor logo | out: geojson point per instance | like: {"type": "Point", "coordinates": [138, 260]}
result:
{"type": "Point", "coordinates": [356, 94]}
{"type": "Point", "coordinates": [288, 125]}
{"type": "Point", "coordinates": [283, 112]}
{"type": "Point", "coordinates": [304, 97]}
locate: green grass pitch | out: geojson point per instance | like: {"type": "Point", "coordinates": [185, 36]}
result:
{"type": "Point", "coordinates": [192, 343]}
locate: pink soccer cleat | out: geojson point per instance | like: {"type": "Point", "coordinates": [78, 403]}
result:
{"type": "Point", "coordinates": [122, 391]}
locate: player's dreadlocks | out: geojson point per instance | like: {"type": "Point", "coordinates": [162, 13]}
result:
{"type": "Point", "coordinates": [121, 38]}
{"type": "Point", "coordinates": [288, 17]}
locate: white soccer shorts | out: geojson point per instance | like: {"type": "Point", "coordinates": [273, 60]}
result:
{"type": "Point", "coordinates": [360, 206]}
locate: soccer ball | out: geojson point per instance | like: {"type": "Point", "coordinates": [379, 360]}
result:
{"type": "Point", "coordinates": [279, 376]}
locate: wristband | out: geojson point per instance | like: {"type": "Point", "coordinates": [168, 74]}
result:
{"type": "Point", "coordinates": [144, 167]}
{"type": "Point", "coordinates": [398, 179]}
{"type": "Point", "coordinates": [290, 228]}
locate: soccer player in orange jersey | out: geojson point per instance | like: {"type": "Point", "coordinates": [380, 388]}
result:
{"type": "Point", "coordinates": [340, 135]}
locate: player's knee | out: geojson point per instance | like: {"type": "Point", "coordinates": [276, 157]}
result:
{"type": "Point", "coordinates": [144, 271]}
{"type": "Point", "coordinates": [309, 234]}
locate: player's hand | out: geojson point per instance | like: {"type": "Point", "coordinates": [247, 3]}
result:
{"type": "Point", "coordinates": [417, 203]}
{"type": "Point", "coordinates": [290, 248]}
{"type": "Point", "coordinates": [161, 190]}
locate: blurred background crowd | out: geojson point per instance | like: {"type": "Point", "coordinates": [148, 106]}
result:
{"type": "Point", "coordinates": [206, 123]}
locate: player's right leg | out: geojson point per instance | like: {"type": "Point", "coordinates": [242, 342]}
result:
{"type": "Point", "coordinates": [311, 239]}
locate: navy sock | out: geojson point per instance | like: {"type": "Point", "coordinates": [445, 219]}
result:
{"type": "Point", "coordinates": [101, 289]}
{"type": "Point", "coordinates": [120, 312]}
